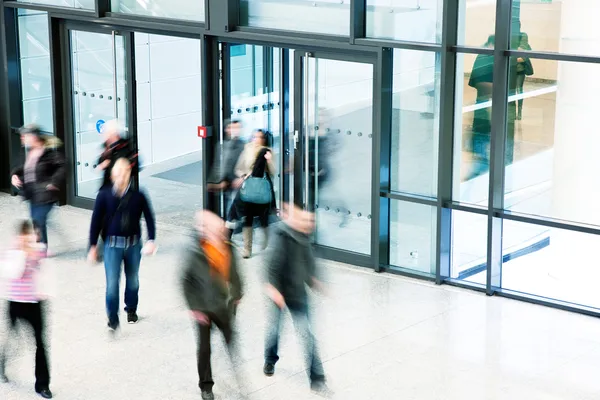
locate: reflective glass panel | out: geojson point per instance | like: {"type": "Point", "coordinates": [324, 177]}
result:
{"type": "Point", "coordinates": [410, 20]}
{"type": "Point", "coordinates": [340, 123]}
{"type": "Point", "coordinates": [476, 22]}
{"type": "Point", "coordinates": [192, 10]}
{"type": "Point", "coordinates": [36, 79]}
{"type": "Point", "coordinates": [415, 122]}
{"type": "Point", "coordinates": [316, 16]}
{"type": "Point", "coordinates": [469, 247]}
{"type": "Point", "coordinates": [84, 4]}
{"type": "Point", "coordinates": [552, 140]}
{"type": "Point", "coordinates": [412, 236]}
{"type": "Point", "coordinates": [169, 110]}
{"type": "Point", "coordinates": [474, 76]}
{"type": "Point", "coordinates": [556, 26]}
{"type": "Point", "coordinates": [550, 262]}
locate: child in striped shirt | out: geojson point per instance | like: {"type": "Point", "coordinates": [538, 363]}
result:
{"type": "Point", "coordinates": [26, 305]}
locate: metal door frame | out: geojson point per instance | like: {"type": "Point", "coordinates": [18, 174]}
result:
{"type": "Point", "coordinates": [301, 154]}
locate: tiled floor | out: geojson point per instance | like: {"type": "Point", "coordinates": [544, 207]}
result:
{"type": "Point", "coordinates": [381, 337]}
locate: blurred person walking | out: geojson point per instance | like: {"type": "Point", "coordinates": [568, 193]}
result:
{"type": "Point", "coordinates": [115, 147]}
{"type": "Point", "coordinates": [256, 198]}
{"type": "Point", "coordinates": [212, 288]}
{"type": "Point", "coordinates": [117, 214]}
{"type": "Point", "coordinates": [222, 177]}
{"type": "Point", "coordinates": [21, 269]}
{"type": "Point", "coordinates": [41, 176]}
{"type": "Point", "coordinates": [290, 269]}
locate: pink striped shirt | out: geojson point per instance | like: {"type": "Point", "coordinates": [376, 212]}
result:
{"type": "Point", "coordinates": [24, 289]}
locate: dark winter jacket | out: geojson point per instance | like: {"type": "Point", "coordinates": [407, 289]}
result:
{"type": "Point", "coordinates": [49, 170]}
{"type": "Point", "coordinates": [204, 291]}
{"type": "Point", "coordinates": [292, 265]}
{"type": "Point", "coordinates": [122, 148]}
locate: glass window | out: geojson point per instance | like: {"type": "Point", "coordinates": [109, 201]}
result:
{"type": "Point", "coordinates": [550, 262]}
{"type": "Point", "coordinates": [469, 247]}
{"type": "Point", "coordinates": [84, 4]}
{"type": "Point", "coordinates": [176, 9]}
{"type": "Point", "coordinates": [412, 236]}
{"type": "Point", "coordinates": [476, 22]}
{"type": "Point", "coordinates": [552, 158]}
{"type": "Point", "coordinates": [415, 21]}
{"type": "Point", "coordinates": [474, 75]}
{"type": "Point", "coordinates": [415, 122]}
{"type": "Point", "coordinates": [316, 16]}
{"type": "Point", "coordinates": [36, 80]}
{"type": "Point", "coordinates": [169, 109]}
{"type": "Point", "coordinates": [556, 26]}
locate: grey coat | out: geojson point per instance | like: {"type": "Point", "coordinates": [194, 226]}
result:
{"type": "Point", "coordinates": [202, 290]}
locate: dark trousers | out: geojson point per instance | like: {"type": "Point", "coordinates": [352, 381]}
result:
{"type": "Point", "coordinates": [39, 215]}
{"type": "Point", "coordinates": [114, 257]}
{"type": "Point", "coordinates": [520, 84]}
{"type": "Point", "coordinates": [252, 210]}
{"type": "Point", "coordinates": [31, 313]}
{"type": "Point", "coordinates": [204, 349]}
{"type": "Point", "coordinates": [302, 322]}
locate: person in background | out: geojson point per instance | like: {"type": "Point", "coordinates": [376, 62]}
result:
{"type": "Point", "coordinates": [26, 304]}
{"type": "Point", "coordinates": [115, 147]}
{"type": "Point", "coordinates": [212, 288]}
{"type": "Point", "coordinates": [222, 177]}
{"type": "Point", "coordinates": [524, 68]}
{"type": "Point", "coordinates": [290, 269]}
{"type": "Point", "coordinates": [41, 176]}
{"type": "Point", "coordinates": [117, 214]}
{"type": "Point", "coordinates": [256, 160]}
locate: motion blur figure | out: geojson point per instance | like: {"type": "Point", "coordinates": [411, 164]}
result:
{"type": "Point", "coordinates": [292, 267]}
{"type": "Point", "coordinates": [117, 214]}
{"type": "Point", "coordinates": [222, 176]}
{"type": "Point", "coordinates": [25, 302]}
{"type": "Point", "coordinates": [115, 147]}
{"type": "Point", "coordinates": [212, 289]}
{"type": "Point", "coordinates": [255, 161]}
{"type": "Point", "coordinates": [41, 176]}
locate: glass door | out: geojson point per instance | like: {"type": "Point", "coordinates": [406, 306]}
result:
{"type": "Point", "coordinates": [333, 148]}
{"type": "Point", "coordinates": [98, 95]}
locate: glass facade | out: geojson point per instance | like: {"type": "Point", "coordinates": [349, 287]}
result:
{"type": "Point", "coordinates": [425, 144]}
{"type": "Point", "coordinates": [82, 4]}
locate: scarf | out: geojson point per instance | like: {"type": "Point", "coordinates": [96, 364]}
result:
{"type": "Point", "coordinates": [218, 258]}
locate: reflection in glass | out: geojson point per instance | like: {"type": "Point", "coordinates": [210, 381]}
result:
{"type": "Point", "coordinates": [552, 263]}
{"type": "Point", "coordinates": [412, 236]}
{"type": "Point", "coordinates": [175, 9]}
{"type": "Point", "coordinates": [473, 121]}
{"type": "Point", "coordinates": [36, 83]}
{"type": "Point", "coordinates": [476, 20]}
{"type": "Point", "coordinates": [316, 16]}
{"type": "Point", "coordinates": [415, 122]}
{"type": "Point", "coordinates": [556, 141]}
{"type": "Point", "coordinates": [169, 109]}
{"type": "Point", "coordinates": [410, 20]}
{"type": "Point", "coordinates": [340, 123]}
{"type": "Point", "coordinates": [83, 4]}
{"type": "Point", "coordinates": [469, 247]}
{"type": "Point", "coordinates": [94, 100]}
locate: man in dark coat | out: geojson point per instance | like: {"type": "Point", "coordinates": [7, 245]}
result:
{"type": "Point", "coordinates": [212, 288]}
{"type": "Point", "coordinates": [115, 147]}
{"type": "Point", "coordinates": [290, 269]}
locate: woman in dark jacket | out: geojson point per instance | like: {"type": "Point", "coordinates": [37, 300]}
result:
{"type": "Point", "coordinates": [41, 176]}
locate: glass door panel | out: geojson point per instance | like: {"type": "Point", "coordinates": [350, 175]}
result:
{"type": "Point", "coordinates": [99, 95]}
{"type": "Point", "coordinates": [336, 132]}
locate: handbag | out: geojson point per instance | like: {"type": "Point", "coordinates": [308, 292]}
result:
{"type": "Point", "coordinates": [256, 190]}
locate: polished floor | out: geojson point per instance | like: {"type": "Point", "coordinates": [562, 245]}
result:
{"type": "Point", "coordinates": [381, 336]}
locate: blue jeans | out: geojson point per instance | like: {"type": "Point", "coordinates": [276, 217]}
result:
{"type": "Point", "coordinates": [302, 322]}
{"type": "Point", "coordinates": [113, 258]}
{"type": "Point", "coordinates": [39, 215]}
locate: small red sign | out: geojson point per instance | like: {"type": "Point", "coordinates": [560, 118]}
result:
{"type": "Point", "coordinates": [202, 132]}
